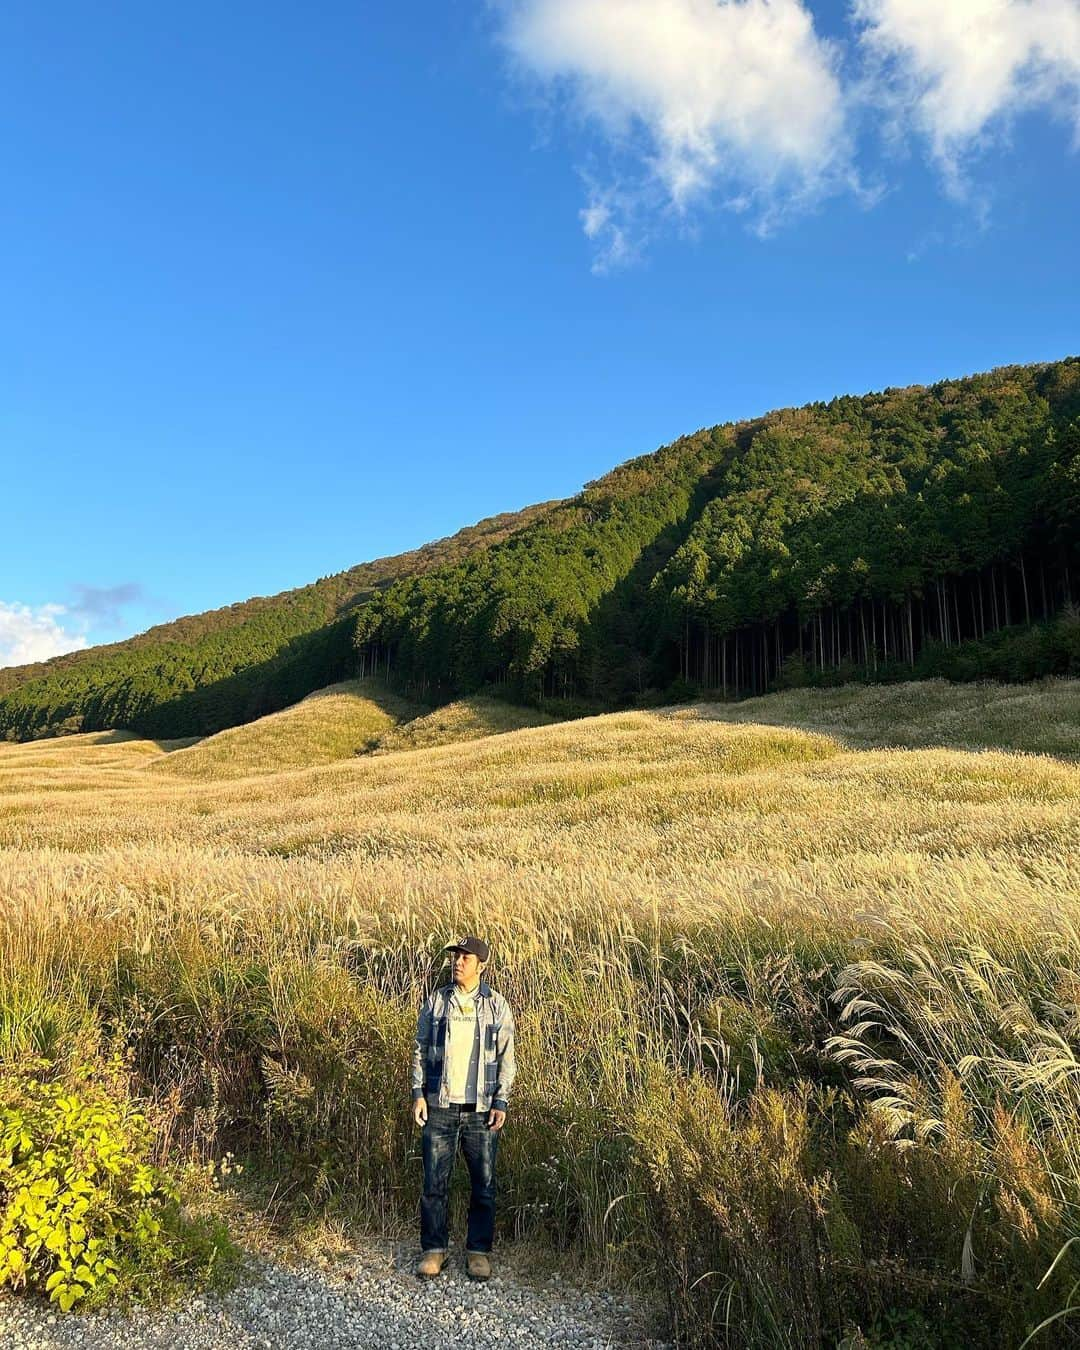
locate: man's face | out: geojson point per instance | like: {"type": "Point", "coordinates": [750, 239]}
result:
{"type": "Point", "coordinates": [466, 967]}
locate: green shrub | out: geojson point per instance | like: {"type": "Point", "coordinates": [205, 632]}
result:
{"type": "Point", "coordinates": [84, 1212]}
{"type": "Point", "coordinates": [681, 690]}
{"type": "Point", "coordinates": [1066, 641]}
{"type": "Point", "coordinates": [1011, 655]}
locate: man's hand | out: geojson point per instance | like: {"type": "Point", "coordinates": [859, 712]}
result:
{"type": "Point", "coordinates": [496, 1119]}
{"type": "Point", "coordinates": [419, 1111]}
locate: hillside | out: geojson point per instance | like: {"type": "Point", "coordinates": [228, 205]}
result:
{"type": "Point", "coordinates": [355, 717]}
{"type": "Point", "coordinates": [1040, 717]}
{"type": "Point", "coordinates": [213, 670]}
{"type": "Point", "coordinates": [912, 533]}
{"type": "Point", "coordinates": [466, 719]}
{"type": "Point", "coordinates": [334, 723]}
{"type": "Point", "coordinates": [766, 981]}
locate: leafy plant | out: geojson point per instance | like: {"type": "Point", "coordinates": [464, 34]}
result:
{"type": "Point", "coordinates": [82, 1207]}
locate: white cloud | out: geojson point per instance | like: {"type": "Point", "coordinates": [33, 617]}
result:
{"type": "Point", "coordinates": [958, 70]}
{"type": "Point", "coordinates": [604, 222]}
{"type": "Point", "coordinates": [696, 96]}
{"type": "Point", "coordinates": [34, 634]}
{"type": "Point", "coordinates": [739, 104]}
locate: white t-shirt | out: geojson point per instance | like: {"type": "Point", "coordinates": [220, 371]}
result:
{"type": "Point", "coordinates": [463, 1045]}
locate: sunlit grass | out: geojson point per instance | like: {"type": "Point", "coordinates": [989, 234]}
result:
{"type": "Point", "coordinates": [797, 1021]}
{"type": "Point", "coordinates": [333, 723]}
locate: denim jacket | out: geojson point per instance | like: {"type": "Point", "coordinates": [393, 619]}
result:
{"type": "Point", "coordinates": [496, 1076]}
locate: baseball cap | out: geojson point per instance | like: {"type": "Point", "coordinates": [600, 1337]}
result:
{"type": "Point", "coordinates": [477, 946]}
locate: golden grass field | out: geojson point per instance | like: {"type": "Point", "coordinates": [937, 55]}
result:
{"type": "Point", "coordinates": [797, 980]}
{"type": "Point", "coordinates": [356, 717]}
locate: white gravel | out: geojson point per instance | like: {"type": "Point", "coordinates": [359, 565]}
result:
{"type": "Point", "coordinates": [370, 1298]}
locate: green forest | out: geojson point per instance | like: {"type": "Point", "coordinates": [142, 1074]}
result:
{"type": "Point", "coordinates": [913, 532]}
{"type": "Point", "coordinates": [205, 672]}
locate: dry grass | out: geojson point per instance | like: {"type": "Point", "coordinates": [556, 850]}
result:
{"type": "Point", "coordinates": [357, 717]}
{"type": "Point", "coordinates": [1038, 718]}
{"type": "Point", "coordinates": [683, 908]}
{"type": "Point", "coordinates": [334, 723]}
{"type": "Point", "coordinates": [466, 719]}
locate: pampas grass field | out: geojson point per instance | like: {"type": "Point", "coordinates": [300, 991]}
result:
{"type": "Point", "coordinates": [797, 981]}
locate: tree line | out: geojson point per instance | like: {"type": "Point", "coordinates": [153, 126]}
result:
{"type": "Point", "coordinates": [854, 537]}
{"type": "Point", "coordinates": [203, 672]}
{"type": "Point", "coordinates": [860, 535]}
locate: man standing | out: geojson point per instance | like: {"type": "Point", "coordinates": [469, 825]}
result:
{"type": "Point", "coordinates": [462, 1072]}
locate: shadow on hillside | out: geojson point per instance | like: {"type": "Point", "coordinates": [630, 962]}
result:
{"type": "Point", "coordinates": [304, 664]}
{"type": "Point", "coordinates": [119, 736]}
{"type": "Point", "coordinates": [1042, 718]}
{"type": "Point", "coordinates": [170, 744]}
{"type": "Point", "coordinates": [622, 652]}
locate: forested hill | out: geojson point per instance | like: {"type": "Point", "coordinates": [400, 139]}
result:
{"type": "Point", "coordinates": [908, 531]}
{"type": "Point", "coordinates": [926, 530]}
{"type": "Point", "coordinates": [329, 596]}
{"type": "Point", "coordinates": [203, 672]}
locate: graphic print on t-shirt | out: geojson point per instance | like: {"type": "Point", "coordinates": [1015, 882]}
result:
{"type": "Point", "coordinates": [463, 1050]}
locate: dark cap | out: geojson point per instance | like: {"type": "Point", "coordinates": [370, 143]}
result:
{"type": "Point", "coordinates": [477, 946]}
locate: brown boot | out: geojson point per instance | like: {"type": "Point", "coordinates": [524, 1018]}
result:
{"type": "Point", "coordinates": [478, 1265]}
{"type": "Point", "coordinates": [431, 1264]}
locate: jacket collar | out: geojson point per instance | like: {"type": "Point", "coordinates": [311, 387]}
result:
{"type": "Point", "coordinates": [484, 990]}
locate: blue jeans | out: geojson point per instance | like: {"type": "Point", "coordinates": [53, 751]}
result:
{"type": "Point", "coordinates": [445, 1126]}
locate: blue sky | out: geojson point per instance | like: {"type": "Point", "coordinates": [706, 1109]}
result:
{"type": "Point", "coordinates": [290, 287]}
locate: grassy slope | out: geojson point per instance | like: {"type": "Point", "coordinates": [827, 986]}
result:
{"type": "Point", "coordinates": [1042, 717]}
{"type": "Point", "coordinates": [355, 717]}
{"type": "Point", "coordinates": [466, 719]}
{"type": "Point", "coordinates": [334, 723]}
{"type": "Point", "coordinates": [72, 764]}
{"type": "Point", "coordinates": [650, 771]}
{"type": "Point", "coordinates": [660, 887]}
{"type": "Point", "coordinates": [364, 716]}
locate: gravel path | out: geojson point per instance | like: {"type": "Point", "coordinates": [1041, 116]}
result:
{"type": "Point", "coordinates": [372, 1298]}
